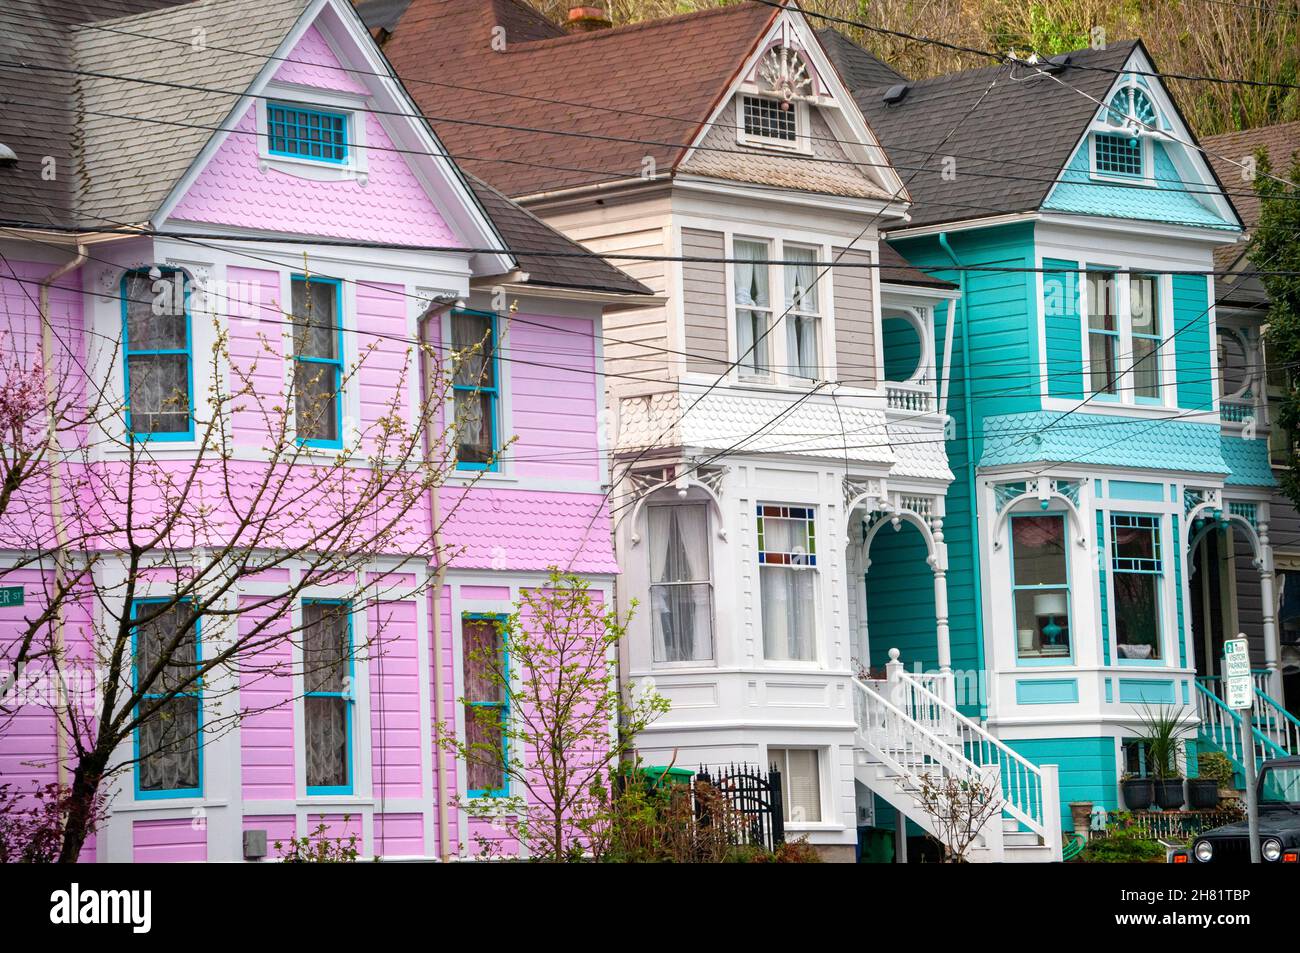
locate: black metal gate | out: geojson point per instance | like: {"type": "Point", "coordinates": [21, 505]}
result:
{"type": "Point", "coordinates": [743, 799]}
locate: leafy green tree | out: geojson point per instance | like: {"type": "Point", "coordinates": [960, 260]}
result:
{"type": "Point", "coordinates": [1275, 253]}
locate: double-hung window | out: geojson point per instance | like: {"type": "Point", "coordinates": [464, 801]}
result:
{"type": "Point", "coordinates": [681, 591]}
{"type": "Point", "coordinates": [1040, 586]}
{"type": "Point", "coordinates": [1103, 332]}
{"type": "Point", "coordinates": [487, 674]}
{"type": "Point", "coordinates": [1138, 575]}
{"type": "Point", "coordinates": [328, 695]}
{"type": "Point", "coordinates": [304, 133]}
{"type": "Point", "coordinates": [156, 332]}
{"type": "Point", "coordinates": [476, 389]}
{"type": "Point", "coordinates": [801, 792]}
{"type": "Point", "coordinates": [787, 564]}
{"type": "Point", "coordinates": [317, 361]}
{"type": "Point", "coordinates": [166, 656]}
{"type": "Point", "coordinates": [803, 313]}
{"type": "Point", "coordinates": [753, 300]}
{"type": "Point", "coordinates": [1144, 315]}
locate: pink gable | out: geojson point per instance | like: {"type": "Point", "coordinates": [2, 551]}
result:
{"type": "Point", "coordinates": [313, 63]}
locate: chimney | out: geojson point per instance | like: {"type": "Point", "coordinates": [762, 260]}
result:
{"type": "Point", "coordinates": [587, 20]}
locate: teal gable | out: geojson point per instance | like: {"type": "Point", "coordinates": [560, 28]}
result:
{"type": "Point", "coordinates": [1169, 201]}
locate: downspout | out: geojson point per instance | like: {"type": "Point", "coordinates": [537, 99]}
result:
{"type": "Point", "coordinates": [435, 533]}
{"type": "Point", "coordinates": [970, 468]}
{"type": "Point", "coordinates": [56, 504]}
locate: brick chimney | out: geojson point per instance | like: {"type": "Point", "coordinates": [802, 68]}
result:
{"type": "Point", "coordinates": [587, 20]}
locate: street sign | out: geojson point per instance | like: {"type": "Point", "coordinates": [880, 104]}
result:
{"type": "Point", "coordinates": [11, 596]}
{"type": "Point", "coordinates": [1240, 687]}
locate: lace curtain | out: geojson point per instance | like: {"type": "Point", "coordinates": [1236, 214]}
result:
{"type": "Point", "coordinates": [681, 597]}
{"type": "Point", "coordinates": [169, 738]}
{"type": "Point", "coordinates": [471, 336]}
{"type": "Point", "coordinates": [159, 382]}
{"type": "Point", "coordinates": [326, 649]}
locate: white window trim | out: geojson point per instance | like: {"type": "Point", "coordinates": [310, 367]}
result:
{"type": "Point", "coordinates": [801, 143]}
{"type": "Point", "coordinates": [780, 359]}
{"type": "Point", "coordinates": [818, 652]}
{"type": "Point", "coordinates": [1144, 137]}
{"type": "Point", "coordinates": [1166, 355]}
{"type": "Point", "coordinates": [712, 660]}
{"type": "Point", "coordinates": [356, 168]}
{"type": "Point", "coordinates": [823, 785]}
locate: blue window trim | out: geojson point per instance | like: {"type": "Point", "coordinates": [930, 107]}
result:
{"type": "Point", "coordinates": [1159, 573]}
{"type": "Point", "coordinates": [128, 353]}
{"type": "Point", "coordinates": [336, 363]}
{"type": "Point", "coordinates": [288, 110]}
{"type": "Point", "coordinates": [500, 618]}
{"type": "Point", "coordinates": [349, 701]}
{"type": "Point", "coordinates": [1069, 592]}
{"type": "Point", "coordinates": [493, 392]}
{"type": "Point", "coordinates": [142, 795]}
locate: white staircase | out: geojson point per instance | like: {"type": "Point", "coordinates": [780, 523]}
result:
{"type": "Point", "coordinates": [908, 729]}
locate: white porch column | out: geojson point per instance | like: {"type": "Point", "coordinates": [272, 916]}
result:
{"type": "Point", "coordinates": [944, 645]}
{"type": "Point", "coordinates": [1272, 647]}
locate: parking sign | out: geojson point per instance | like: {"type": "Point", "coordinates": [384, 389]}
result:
{"type": "Point", "coordinates": [1236, 670]}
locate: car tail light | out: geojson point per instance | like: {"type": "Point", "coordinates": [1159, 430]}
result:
{"type": "Point", "coordinates": [1180, 858]}
{"type": "Point", "coordinates": [1291, 857]}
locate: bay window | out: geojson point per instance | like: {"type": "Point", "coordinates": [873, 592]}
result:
{"type": "Point", "coordinates": [327, 698]}
{"type": "Point", "coordinates": [166, 654]}
{"type": "Point", "coordinates": [157, 345]}
{"type": "Point", "coordinates": [1138, 581]}
{"type": "Point", "coordinates": [801, 793]}
{"type": "Point", "coordinates": [803, 313]}
{"type": "Point", "coordinates": [317, 361]}
{"type": "Point", "coordinates": [486, 674]}
{"type": "Point", "coordinates": [1040, 586]}
{"type": "Point", "coordinates": [681, 591]}
{"type": "Point", "coordinates": [753, 299]}
{"type": "Point", "coordinates": [787, 559]}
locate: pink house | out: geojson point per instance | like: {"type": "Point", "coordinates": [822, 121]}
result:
{"type": "Point", "coordinates": [257, 168]}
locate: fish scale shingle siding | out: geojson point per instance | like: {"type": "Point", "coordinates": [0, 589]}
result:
{"type": "Point", "coordinates": [855, 321]}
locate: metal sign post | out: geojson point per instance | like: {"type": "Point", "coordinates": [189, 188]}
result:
{"type": "Point", "coordinates": [1239, 687]}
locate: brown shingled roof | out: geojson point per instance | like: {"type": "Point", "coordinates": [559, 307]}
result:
{"type": "Point", "coordinates": [655, 83]}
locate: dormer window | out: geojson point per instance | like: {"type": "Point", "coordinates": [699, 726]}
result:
{"type": "Point", "coordinates": [306, 133]}
{"type": "Point", "coordinates": [770, 119]}
{"type": "Point", "coordinates": [1120, 141]}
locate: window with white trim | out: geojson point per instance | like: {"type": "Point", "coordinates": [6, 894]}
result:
{"type": "Point", "coordinates": [1121, 146]}
{"type": "Point", "coordinates": [770, 119]}
{"type": "Point", "coordinates": [681, 587]}
{"type": "Point", "coordinates": [787, 565]}
{"type": "Point", "coordinates": [803, 313]}
{"type": "Point", "coordinates": [328, 695]}
{"type": "Point", "coordinates": [1125, 335]}
{"type": "Point", "coordinates": [303, 132]}
{"type": "Point", "coordinates": [801, 788]}
{"type": "Point", "coordinates": [1040, 586]}
{"type": "Point", "coordinates": [752, 284]}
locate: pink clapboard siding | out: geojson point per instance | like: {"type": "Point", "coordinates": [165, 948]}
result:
{"type": "Point", "coordinates": [266, 732]}
{"type": "Point", "coordinates": [396, 759]}
{"type": "Point", "coordinates": [399, 835]}
{"type": "Point", "coordinates": [554, 398]}
{"type": "Point", "coordinates": [255, 322]}
{"type": "Point", "coordinates": [527, 530]}
{"type": "Point", "coordinates": [279, 828]}
{"type": "Point", "coordinates": [446, 769]}
{"type": "Point", "coordinates": [170, 841]}
{"type": "Point", "coordinates": [392, 207]}
{"type": "Point", "coordinates": [336, 826]}
{"type": "Point", "coordinates": [388, 362]}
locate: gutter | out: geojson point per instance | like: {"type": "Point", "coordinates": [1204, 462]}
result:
{"type": "Point", "coordinates": [56, 503]}
{"type": "Point", "coordinates": [970, 468]}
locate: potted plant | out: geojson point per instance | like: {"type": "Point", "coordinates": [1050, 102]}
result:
{"type": "Point", "coordinates": [1163, 730]}
{"type": "Point", "coordinates": [1139, 792]}
{"type": "Point", "coordinates": [1216, 768]}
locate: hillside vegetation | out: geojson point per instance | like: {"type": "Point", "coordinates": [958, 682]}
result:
{"type": "Point", "coordinates": [1234, 39]}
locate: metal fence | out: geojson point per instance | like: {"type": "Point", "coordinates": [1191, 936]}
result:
{"type": "Point", "coordinates": [745, 800]}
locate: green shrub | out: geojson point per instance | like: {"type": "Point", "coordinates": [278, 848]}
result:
{"type": "Point", "coordinates": [1215, 766]}
{"type": "Point", "coordinates": [1124, 847]}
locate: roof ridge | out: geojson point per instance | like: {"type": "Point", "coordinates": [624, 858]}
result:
{"type": "Point", "coordinates": [1108, 48]}
{"type": "Point", "coordinates": [626, 28]}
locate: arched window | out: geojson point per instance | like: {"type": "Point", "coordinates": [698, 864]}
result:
{"type": "Point", "coordinates": [1119, 148]}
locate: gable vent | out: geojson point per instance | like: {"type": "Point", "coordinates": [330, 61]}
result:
{"type": "Point", "coordinates": [896, 93]}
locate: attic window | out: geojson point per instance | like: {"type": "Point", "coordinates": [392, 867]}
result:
{"type": "Point", "coordinates": [1120, 133]}
{"type": "Point", "coordinates": [306, 133]}
{"type": "Point", "coordinates": [770, 119]}
{"type": "Point", "coordinates": [1118, 155]}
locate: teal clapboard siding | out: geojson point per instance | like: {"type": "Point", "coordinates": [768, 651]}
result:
{"type": "Point", "coordinates": [1086, 769]}
{"type": "Point", "coordinates": [902, 348]}
{"type": "Point", "coordinates": [1001, 320]}
{"type": "Point", "coordinates": [1192, 344]}
{"type": "Point", "coordinates": [1061, 325]}
{"type": "Point", "coordinates": [900, 599]}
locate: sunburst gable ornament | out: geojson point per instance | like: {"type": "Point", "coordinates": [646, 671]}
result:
{"type": "Point", "coordinates": [784, 72]}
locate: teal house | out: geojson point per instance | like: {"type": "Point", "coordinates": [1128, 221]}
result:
{"type": "Point", "coordinates": [1092, 448]}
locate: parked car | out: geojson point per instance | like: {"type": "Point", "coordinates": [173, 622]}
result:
{"type": "Point", "coordinates": [1278, 790]}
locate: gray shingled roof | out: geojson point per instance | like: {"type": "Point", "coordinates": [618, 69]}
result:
{"type": "Point", "coordinates": [858, 68]}
{"type": "Point", "coordinates": [1033, 120]}
{"type": "Point", "coordinates": [113, 170]}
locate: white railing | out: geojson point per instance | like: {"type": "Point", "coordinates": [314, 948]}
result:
{"type": "Point", "coordinates": [915, 730]}
{"type": "Point", "coordinates": [918, 398]}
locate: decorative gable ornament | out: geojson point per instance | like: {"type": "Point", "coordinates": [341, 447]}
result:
{"type": "Point", "coordinates": [783, 73]}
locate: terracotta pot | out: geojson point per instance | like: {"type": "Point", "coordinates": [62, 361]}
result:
{"type": "Point", "coordinates": [1081, 816]}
